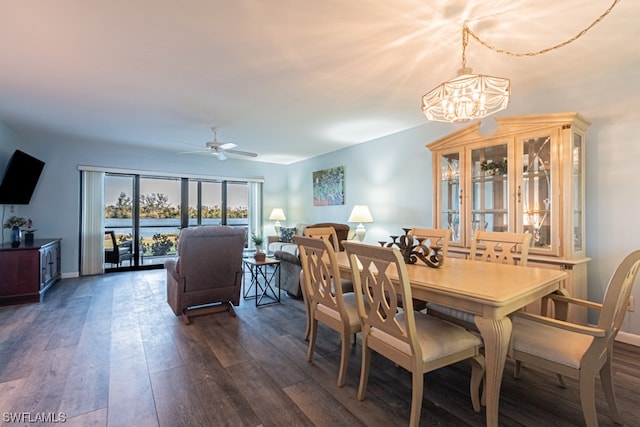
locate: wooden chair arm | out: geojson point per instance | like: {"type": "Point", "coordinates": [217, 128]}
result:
{"type": "Point", "coordinates": [568, 326]}
{"type": "Point", "coordinates": [576, 301]}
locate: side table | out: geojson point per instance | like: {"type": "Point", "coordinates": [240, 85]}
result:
{"type": "Point", "coordinates": [262, 275]}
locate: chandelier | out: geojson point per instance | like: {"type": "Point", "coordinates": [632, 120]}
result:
{"type": "Point", "coordinates": [471, 96]}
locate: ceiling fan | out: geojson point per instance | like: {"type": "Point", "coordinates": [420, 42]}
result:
{"type": "Point", "coordinates": [221, 149]}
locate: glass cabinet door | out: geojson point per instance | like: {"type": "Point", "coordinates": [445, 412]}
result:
{"type": "Point", "coordinates": [489, 189]}
{"type": "Point", "coordinates": [534, 196]}
{"type": "Point", "coordinates": [451, 195]}
{"type": "Point", "coordinates": [577, 177]}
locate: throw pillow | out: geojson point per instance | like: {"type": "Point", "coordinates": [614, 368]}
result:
{"type": "Point", "coordinates": [286, 234]}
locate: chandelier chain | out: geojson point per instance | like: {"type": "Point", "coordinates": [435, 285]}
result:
{"type": "Point", "coordinates": [466, 32]}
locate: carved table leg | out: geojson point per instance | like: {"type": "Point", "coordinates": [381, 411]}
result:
{"type": "Point", "coordinates": [496, 334]}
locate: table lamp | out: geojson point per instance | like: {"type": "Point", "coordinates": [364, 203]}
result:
{"type": "Point", "coordinates": [360, 214]}
{"type": "Point", "coordinates": [277, 214]}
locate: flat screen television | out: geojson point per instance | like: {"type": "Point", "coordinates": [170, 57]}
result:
{"type": "Point", "coordinates": [20, 179]}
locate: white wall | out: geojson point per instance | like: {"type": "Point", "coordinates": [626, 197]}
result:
{"type": "Point", "coordinates": [391, 175]}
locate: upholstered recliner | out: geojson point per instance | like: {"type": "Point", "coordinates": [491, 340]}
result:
{"type": "Point", "coordinates": [206, 276]}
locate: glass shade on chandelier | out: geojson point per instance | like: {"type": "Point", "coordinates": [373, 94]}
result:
{"type": "Point", "coordinates": [466, 97]}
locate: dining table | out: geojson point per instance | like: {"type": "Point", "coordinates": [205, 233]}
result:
{"type": "Point", "coordinates": [491, 292]}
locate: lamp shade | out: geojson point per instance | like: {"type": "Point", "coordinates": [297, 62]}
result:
{"type": "Point", "coordinates": [277, 214]}
{"type": "Point", "coordinates": [360, 213]}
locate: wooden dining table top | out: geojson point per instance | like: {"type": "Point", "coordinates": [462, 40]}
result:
{"type": "Point", "coordinates": [497, 287]}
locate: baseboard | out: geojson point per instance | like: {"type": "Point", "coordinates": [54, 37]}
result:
{"type": "Point", "coordinates": [70, 275]}
{"type": "Point", "coordinates": [628, 338]}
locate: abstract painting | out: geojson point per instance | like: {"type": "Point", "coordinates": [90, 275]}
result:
{"type": "Point", "coordinates": [328, 187]}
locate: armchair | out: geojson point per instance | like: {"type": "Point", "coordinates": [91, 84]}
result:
{"type": "Point", "coordinates": [577, 351]}
{"type": "Point", "coordinates": [206, 276]}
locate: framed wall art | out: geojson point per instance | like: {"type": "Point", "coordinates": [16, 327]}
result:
{"type": "Point", "coordinates": [328, 187]}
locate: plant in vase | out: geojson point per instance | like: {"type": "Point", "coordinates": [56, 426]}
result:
{"type": "Point", "coordinates": [28, 237]}
{"type": "Point", "coordinates": [257, 241]}
{"type": "Point", "coordinates": [14, 223]}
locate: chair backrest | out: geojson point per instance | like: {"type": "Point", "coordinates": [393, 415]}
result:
{"type": "Point", "coordinates": [500, 247]}
{"type": "Point", "coordinates": [110, 243]}
{"type": "Point", "coordinates": [616, 297]}
{"type": "Point", "coordinates": [374, 270]}
{"type": "Point", "coordinates": [321, 276]}
{"type": "Point", "coordinates": [210, 256]}
{"type": "Point", "coordinates": [111, 249]}
{"type": "Point", "coordinates": [328, 233]}
{"type": "Point", "coordinates": [433, 237]}
{"type": "Point", "coordinates": [342, 230]}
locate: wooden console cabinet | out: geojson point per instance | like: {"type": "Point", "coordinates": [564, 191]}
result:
{"type": "Point", "coordinates": [26, 272]}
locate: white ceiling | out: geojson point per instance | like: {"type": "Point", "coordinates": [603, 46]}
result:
{"type": "Point", "coordinates": [286, 79]}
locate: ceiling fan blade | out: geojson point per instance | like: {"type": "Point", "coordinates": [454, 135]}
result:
{"type": "Point", "coordinates": [201, 151]}
{"type": "Point", "coordinates": [227, 145]}
{"type": "Point", "coordinates": [221, 155]}
{"type": "Point", "coordinates": [241, 153]}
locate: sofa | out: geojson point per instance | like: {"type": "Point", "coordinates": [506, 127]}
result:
{"type": "Point", "coordinates": [284, 241]}
{"type": "Point", "coordinates": [287, 253]}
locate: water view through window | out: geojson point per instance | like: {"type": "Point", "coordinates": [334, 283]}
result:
{"type": "Point", "coordinates": [149, 211]}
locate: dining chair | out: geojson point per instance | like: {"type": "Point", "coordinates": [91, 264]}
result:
{"type": "Point", "coordinates": [327, 303]}
{"type": "Point", "coordinates": [328, 233]}
{"type": "Point", "coordinates": [487, 246]}
{"type": "Point", "coordinates": [502, 247]}
{"type": "Point", "coordinates": [433, 237]}
{"type": "Point", "coordinates": [413, 340]}
{"type": "Point", "coordinates": [114, 252]}
{"type": "Point", "coordinates": [578, 351]}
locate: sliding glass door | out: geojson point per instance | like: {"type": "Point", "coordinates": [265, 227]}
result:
{"type": "Point", "coordinates": [159, 219]}
{"type": "Point", "coordinates": [119, 228]}
{"type": "Point", "coordinates": [146, 214]}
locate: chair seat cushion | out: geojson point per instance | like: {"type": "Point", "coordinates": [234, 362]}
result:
{"type": "Point", "coordinates": [438, 338]}
{"type": "Point", "coordinates": [548, 342]}
{"type": "Point", "coordinates": [351, 308]}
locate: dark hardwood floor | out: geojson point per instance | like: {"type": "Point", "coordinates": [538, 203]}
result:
{"type": "Point", "coordinates": [107, 350]}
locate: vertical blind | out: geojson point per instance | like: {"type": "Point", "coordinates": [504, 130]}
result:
{"type": "Point", "coordinates": [92, 223]}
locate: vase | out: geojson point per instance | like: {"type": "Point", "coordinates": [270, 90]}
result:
{"type": "Point", "coordinates": [16, 236]}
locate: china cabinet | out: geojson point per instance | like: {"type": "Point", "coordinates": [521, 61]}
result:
{"type": "Point", "coordinates": [528, 176]}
